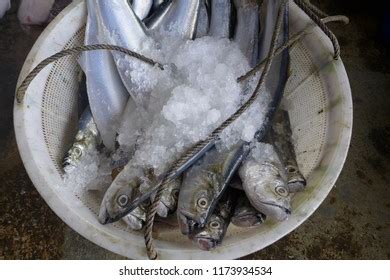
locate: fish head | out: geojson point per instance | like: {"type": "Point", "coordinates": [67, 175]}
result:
{"type": "Point", "coordinates": [196, 202]}
{"type": "Point", "coordinates": [276, 202]}
{"type": "Point", "coordinates": [85, 140]}
{"type": "Point", "coordinates": [212, 234]}
{"type": "Point", "coordinates": [74, 155]}
{"type": "Point", "coordinates": [117, 201]}
{"type": "Point", "coordinates": [266, 189]}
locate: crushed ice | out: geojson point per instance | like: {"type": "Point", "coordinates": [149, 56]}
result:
{"type": "Point", "coordinates": [183, 104]}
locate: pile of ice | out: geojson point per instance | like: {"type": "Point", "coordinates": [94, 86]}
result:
{"type": "Point", "coordinates": [180, 105]}
{"type": "Point", "coordinates": [195, 93]}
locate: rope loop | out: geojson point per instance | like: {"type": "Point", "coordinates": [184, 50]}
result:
{"type": "Point", "coordinates": [21, 91]}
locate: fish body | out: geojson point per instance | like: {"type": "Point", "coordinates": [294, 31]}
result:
{"type": "Point", "coordinates": [282, 138]}
{"type": "Point", "coordinates": [106, 93]}
{"type": "Point", "coordinates": [213, 232]}
{"type": "Point", "coordinates": [178, 17]}
{"type": "Point", "coordinates": [245, 215]}
{"type": "Point", "coordinates": [278, 73]}
{"type": "Point", "coordinates": [221, 19]}
{"type": "Point", "coordinates": [246, 33]}
{"type": "Point", "coordinates": [86, 139]}
{"type": "Point", "coordinates": [263, 182]}
{"type": "Point", "coordinates": [157, 4]}
{"type": "Point", "coordinates": [142, 8]}
{"type": "Point", "coordinates": [203, 186]}
{"type": "Point", "coordinates": [121, 26]}
{"type": "Point", "coordinates": [202, 26]}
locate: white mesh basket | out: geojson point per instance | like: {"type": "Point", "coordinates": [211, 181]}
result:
{"type": "Point", "coordinates": [318, 97]}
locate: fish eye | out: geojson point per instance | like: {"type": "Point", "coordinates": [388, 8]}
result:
{"type": "Point", "coordinates": [282, 191]}
{"type": "Point", "coordinates": [123, 200]}
{"type": "Point", "coordinates": [77, 151]}
{"type": "Point", "coordinates": [214, 224]}
{"type": "Point", "coordinates": [202, 202]}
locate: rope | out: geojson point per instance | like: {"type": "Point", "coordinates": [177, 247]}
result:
{"type": "Point", "coordinates": [150, 249]}
{"type": "Point", "coordinates": [21, 91]}
{"type": "Point", "coordinates": [298, 36]}
{"type": "Point", "coordinates": [315, 17]}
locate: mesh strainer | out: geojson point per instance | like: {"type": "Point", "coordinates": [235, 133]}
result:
{"type": "Point", "coordinates": [318, 98]}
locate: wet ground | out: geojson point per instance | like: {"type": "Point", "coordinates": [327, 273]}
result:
{"type": "Point", "coordinates": [352, 223]}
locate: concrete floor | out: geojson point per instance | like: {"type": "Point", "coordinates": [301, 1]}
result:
{"type": "Point", "coordinates": [352, 223]}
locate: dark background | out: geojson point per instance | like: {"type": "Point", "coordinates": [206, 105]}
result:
{"type": "Point", "coordinates": [352, 223]}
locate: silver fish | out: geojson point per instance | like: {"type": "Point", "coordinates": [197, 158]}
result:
{"type": "Point", "coordinates": [106, 93]}
{"type": "Point", "coordinates": [245, 215]}
{"type": "Point", "coordinates": [178, 17]}
{"type": "Point", "coordinates": [282, 139]}
{"type": "Point", "coordinates": [86, 139]}
{"type": "Point", "coordinates": [122, 27]}
{"type": "Point", "coordinates": [263, 182]}
{"type": "Point", "coordinates": [212, 234]}
{"type": "Point", "coordinates": [169, 197]}
{"type": "Point", "coordinates": [157, 4]}
{"type": "Point", "coordinates": [142, 8]}
{"type": "Point", "coordinates": [203, 24]}
{"type": "Point", "coordinates": [279, 69]}
{"type": "Point", "coordinates": [203, 186]}
{"type": "Point", "coordinates": [221, 20]}
{"type": "Point", "coordinates": [246, 33]}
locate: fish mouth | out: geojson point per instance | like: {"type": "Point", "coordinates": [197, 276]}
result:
{"type": "Point", "coordinates": [286, 210]}
{"type": "Point", "coordinates": [206, 243]}
{"type": "Point", "coordinates": [105, 218]}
